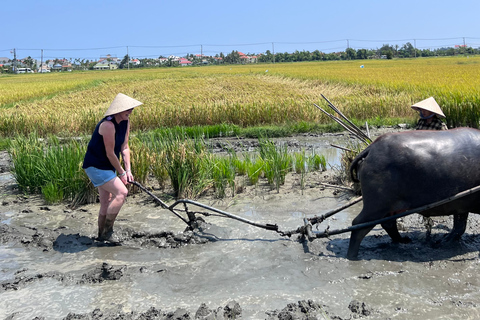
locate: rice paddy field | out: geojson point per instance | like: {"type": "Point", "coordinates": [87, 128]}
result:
{"type": "Point", "coordinates": [229, 98]}
{"type": "Point", "coordinates": [243, 95]}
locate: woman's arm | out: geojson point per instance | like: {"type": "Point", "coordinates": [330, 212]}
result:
{"type": "Point", "coordinates": [107, 130]}
{"type": "Point", "coordinates": [125, 151]}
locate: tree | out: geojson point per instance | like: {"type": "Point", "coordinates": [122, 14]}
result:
{"type": "Point", "coordinates": [29, 62]}
{"type": "Point", "coordinates": [124, 61]}
{"type": "Point", "coordinates": [387, 50]}
{"type": "Point", "coordinates": [362, 54]}
{"type": "Point", "coordinates": [267, 57]}
{"type": "Point", "coordinates": [350, 54]}
{"type": "Point", "coordinates": [407, 50]}
{"type": "Point", "coordinates": [233, 57]}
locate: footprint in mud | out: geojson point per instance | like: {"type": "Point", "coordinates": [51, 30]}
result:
{"type": "Point", "coordinates": [70, 243]}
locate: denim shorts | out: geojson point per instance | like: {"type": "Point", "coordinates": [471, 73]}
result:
{"type": "Point", "coordinates": [98, 176]}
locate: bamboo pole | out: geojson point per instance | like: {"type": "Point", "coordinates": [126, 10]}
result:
{"type": "Point", "coordinates": [355, 128]}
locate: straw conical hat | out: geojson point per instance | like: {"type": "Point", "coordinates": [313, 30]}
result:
{"type": "Point", "coordinates": [121, 103]}
{"type": "Point", "coordinates": [430, 105]}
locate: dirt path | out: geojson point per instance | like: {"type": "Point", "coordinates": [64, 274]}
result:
{"type": "Point", "coordinates": [52, 268]}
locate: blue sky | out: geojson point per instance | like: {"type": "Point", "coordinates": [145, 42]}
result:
{"type": "Point", "coordinates": [90, 29]}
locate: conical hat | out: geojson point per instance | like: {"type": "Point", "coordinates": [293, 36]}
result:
{"type": "Point", "coordinates": [121, 103]}
{"type": "Point", "coordinates": [430, 105]}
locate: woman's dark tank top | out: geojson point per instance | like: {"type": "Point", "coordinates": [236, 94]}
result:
{"type": "Point", "coordinates": [96, 155]}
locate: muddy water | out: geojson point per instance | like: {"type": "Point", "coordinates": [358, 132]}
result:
{"type": "Point", "coordinates": [51, 267]}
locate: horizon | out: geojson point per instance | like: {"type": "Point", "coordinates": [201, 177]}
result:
{"type": "Point", "coordinates": [433, 44]}
{"type": "Point", "coordinates": [152, 28]}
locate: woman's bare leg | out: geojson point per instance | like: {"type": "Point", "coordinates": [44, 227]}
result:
{"type": "Point", "coordinates": [112, 197]}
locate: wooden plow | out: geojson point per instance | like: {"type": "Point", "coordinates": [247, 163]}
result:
{"type": "Point", "coordinates": [306, 230]}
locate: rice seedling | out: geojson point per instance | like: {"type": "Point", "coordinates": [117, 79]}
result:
{"type": "Point", "coordinates": [254, 169]}
{"type": "Point", "coordinates": [317, 162]}
{"type": "Point", "coordinates": [50, 167]}
{"type": "Point", "coordinates": [186, 163]}
{"type": "Point", "coordinates": [223, 175]}
{"type": "Point", "coordinates": [300, 163]}
{"type": "Point", "coordinates": [140, 159]}
{"type": "Point", "coordinates": [277, 162]}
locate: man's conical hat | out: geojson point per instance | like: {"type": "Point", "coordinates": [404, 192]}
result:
{"type": "Point", "coordinates": [121, 103]}
{"type": "Point", "coordinates": [430, 105]}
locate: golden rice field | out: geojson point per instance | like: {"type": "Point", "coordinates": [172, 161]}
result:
{"type": "Point", "coordinates": [245, 95]}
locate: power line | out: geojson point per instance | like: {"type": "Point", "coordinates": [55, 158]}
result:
{"type": "Point", "coordinates": [277, 45]}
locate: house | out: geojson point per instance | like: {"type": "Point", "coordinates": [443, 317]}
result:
{"type": "Point", "coordinates": [43, 68]}
{"type": "Point", "coordinates": [111, 59]}
{"type": "Point", "coordinates": [184, 62]}
{"type": "Point", "coordinates": [247, 59]}
{"type": "Point", "coordinates": [135, 62]}
{"type": "Point", "coordinates": [105, 65]}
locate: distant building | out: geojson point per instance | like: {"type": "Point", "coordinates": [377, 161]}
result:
{"type": "Point", "coordinates": [135, 62]}
{"type": "Point", "coordinates": [247, 59]}
{"type": "Point", "coordinates": [105, 65]}
{"type": "Point", "coordinates": [184, 62]}
{"type": "Point", "coordinates": [109, 58]}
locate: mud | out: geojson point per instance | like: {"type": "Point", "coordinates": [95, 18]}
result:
{"type": "Point", "coordinates": [53, 268]}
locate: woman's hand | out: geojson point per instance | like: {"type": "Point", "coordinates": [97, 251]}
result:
{"type": "Point", "coordinates": [129, 176]}
{"type": "Point", "coordinates": [123, 178]}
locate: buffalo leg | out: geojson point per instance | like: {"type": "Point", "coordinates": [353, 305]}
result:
{"type": "Point", "coordinates": [459, 226]}
{"type": "Point", "coordinates": [392, 230]}
{"type": "Point", "coordinates": [355, 239]}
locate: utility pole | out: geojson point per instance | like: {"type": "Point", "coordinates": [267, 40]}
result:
{"type": "Point", "coordinates": [14, 60]}
{"type": "Point", "coordinates": [41, 62]}
{"type": "Point", "coordinates": [128, 60]}
{"type": "Point", "coordinates": [415, 47]}
{"type": "Point", "coordinates": [273, 52]}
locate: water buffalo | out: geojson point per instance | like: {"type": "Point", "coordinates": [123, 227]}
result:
{"type": "Point", "coordinates": [406, 170]}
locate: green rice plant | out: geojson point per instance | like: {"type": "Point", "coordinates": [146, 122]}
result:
{"type": "Point", "coordinates": [300, 162]}
{"type": "Point", "coordinates": [254, 169]}
{"type": "Point", "coordinates": [223, 175]}
{"type": "Point", "coordinates": [26, 153]}
{"type": "Point", "coordinates": [317, 162]}
{"type": "Point", "coordinates": [159, 169]}
{"type": "Point", "coordinates": [51, 167]}
{"type": "Point", "coordinates": [186, 163]}
{"type": "Point", "coordinates": [277, 162]}
{"type": "Point", "coordinates": [239, 165]}
{"type": "Point", "coordinates": [141, 160]}
{"type": "Point", "coordinates": [52, 193]}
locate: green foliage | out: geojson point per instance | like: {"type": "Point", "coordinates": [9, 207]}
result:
{"type": "Point", "coordinates": [186, 163]}
{"type": "Point", "coordinates": [223, 175]}
{"type": "Point", "coordinates": [50, 167]}
{"type": "Point", "coordinates": [277, 162]}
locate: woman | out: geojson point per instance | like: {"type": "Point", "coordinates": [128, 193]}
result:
{"type": "Point", "coordinates": [102, 162]}
{"type": "Point", "coordinates": [430, 114]}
